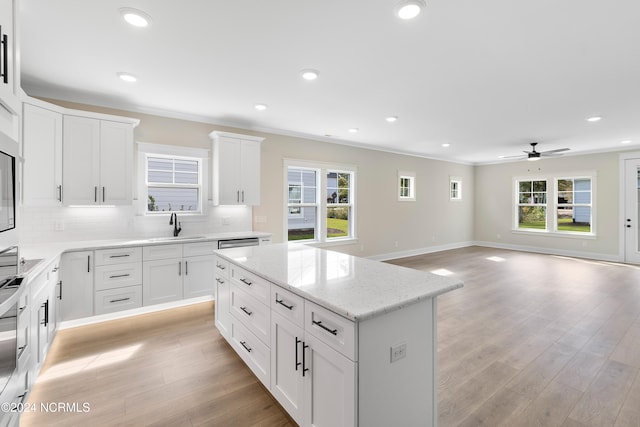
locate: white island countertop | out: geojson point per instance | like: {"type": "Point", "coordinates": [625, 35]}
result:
{"type": "Point", "coordinates": [356, 288]}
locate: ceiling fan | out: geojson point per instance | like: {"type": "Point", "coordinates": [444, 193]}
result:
{"type": "Point", "coordinates": [534, 155]}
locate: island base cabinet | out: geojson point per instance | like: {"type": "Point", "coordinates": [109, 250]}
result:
{"type": "Point", "coordinates": [223, 316]}
{"type": "Point", "coordinates": [314, 383]}
{"type": "Point", "coordinates": [330, 386]}
{"type": "Point", "coordinates": [287, 382]}
{"type": "Point", "coordinates": [254, 353]}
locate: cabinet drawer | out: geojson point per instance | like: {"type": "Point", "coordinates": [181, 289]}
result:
{"type": "Point", "coordinates": [118, 256]}
{"type": "Point", "coordinates": [222, 267]}
{"type": "Point", "coordinates": [254, 285]}
{"type": "Point", "coordinates": [111, 300]}
{"type": "Point", "coordinates": [255, 315]}
{"type": "Point", "coordinates": [150, 253]}
{"type": "Point", "coordinates": [118, 275]}
{"type": "Point", "coordinates": [254, 353]}
{"type": "Point", "coordinates": [334, 330]}
{"type": "Point", "coordinates": [288, 304]}
{"type": "Point", "coordinates": [201, 248]}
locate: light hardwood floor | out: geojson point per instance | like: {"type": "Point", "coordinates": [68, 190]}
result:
{"type": "Point", "coordinates": [531, 340]}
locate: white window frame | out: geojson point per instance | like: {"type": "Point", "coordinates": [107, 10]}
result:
{"type": "Point", "coordinates": [455, 180]}
{"type": "Point", "coordinates": [411, 177]}
{"type": "Point", "coordinates": [146, 150]}
{"type": "Point", "coordinates": [552, 205]}
{"type": "Point", "coordinates": [321, 168]}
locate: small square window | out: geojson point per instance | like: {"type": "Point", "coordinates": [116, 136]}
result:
{"type": "Point", "coordinates": [406, 186]}
{"type": "Point", "coordinates": [455, 188]}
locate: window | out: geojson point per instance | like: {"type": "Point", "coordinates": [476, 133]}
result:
{"type": "Point", "coordinates": [311, 217]}
{"type": "Point", "coordinates": [455, 188]}
{"type": "Point", "coordinates": [532, 204]}
{"type": "Point", "coordinates": [171, 179]}
{"type": "Point", "coordinates": [573, 211]}
{"type": "Point", "coordinates": [556, 205]}
{"type": "Point", "coordinates": [406, 186]}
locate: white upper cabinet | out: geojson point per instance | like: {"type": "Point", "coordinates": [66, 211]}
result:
{"type": "Point", "coordinates": [42, 150]}
{"type": "Point", "coordinates": [97, 161]}
{"type": "Point", "coordinates": [236, 169]}
{"type": "Point", "coordinates": [9, 69]}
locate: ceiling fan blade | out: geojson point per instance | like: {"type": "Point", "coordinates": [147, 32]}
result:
{"type": "Point", "coordinates": [519, 156]}
{"type": "Point", "coordinates": [558, 150]}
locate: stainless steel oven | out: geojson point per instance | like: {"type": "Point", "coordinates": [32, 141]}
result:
{"type": "Point", "coordinates": [8, 156]}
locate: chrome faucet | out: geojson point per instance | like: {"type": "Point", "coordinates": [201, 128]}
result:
{"type": "Point", "coordinates": [177, 227]}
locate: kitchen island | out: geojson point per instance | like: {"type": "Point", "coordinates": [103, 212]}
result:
{"type": "Point", "coordinates": [338, 340]}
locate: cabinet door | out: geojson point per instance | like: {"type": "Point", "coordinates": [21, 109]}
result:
{"type": "Point", "coordinates": [81, 160]}
{"type": "Point", "coordinates": [287, 382]}
{"type": "Point", "coordinates": [228, 171]}
{"type": "Point", "coordinates": [330, 386]}
{"type": "Point", "coordinates": [250, 173]}
{"type": "Point", "coordinates": [42, 149]}
{"type": "Point", "coordinates": [198, 276]}
{"type": "Point", "coordinates": [161, 281]}
{"type": "Point", "coordinates": [42, 335]}
{"type": "Point", "coordinates": [7, 90]}
{"type": "Point", "coordinates": [77, 285]}
{"type": "Point", "coordinates": [223, 295]}
{"type": "Point", "coordinates": [116, 160]}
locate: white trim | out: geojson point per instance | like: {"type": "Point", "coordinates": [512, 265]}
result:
{"type": "Point", "coordinates": [458, 180]}
{"type": "Point", "coordinates": [412, 186]}
{"type": "Point", "coordinates": [173, 151]}
{"type": "Point", "coordinates": [133, 312]}
{"type": "Point", "coordinates": [622, 158]}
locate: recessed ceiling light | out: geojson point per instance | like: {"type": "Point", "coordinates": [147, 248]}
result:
{"type": "Point", "coordinates": [409, 9]}
{"type": "Point", "coordinates": [594, 119]}
{"type": "Point", "coordinates": [445, 145]}
{"type": "Point", "coordinates": [135, 17]}
{"type": "Point", "coordinates": [391, 119]}
{"type": "Point", "coordinates": [309, 74]}
{"type": "Point", "coordinates": [260, 107]}
{"type": "Point", "coordinates": [127, 77]}
{"type": "Point", "coordinates": [353, 130]}
{"type": "Point", "coordinates": [626, 141]}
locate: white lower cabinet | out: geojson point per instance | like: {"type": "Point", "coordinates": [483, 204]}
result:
{"type": "Point", "coordinates": [162, 281]}
{"type": "Point", "coordinates": [77, 285]}
{"type": "Point", "coordinates": [198, 276]}
{"type": "Point", "coordinates": [118, 299]}
{"type": "Point", "coordinates": [174, 272]}
{"type": "Point", "coordinates": [254, 352]}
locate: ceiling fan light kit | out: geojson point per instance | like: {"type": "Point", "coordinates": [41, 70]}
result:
{"type": "Point", "coordinates": [534, 155]}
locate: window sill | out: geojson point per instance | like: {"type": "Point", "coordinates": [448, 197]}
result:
{"type": "Point", "coordinates": [316, 244]}
{"type": "Point", "coordinates": [568, 234]}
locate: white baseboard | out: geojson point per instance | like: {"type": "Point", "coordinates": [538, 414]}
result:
{"type": "Point", "coordinates": [420, 251]}
{"type": "Point", "coordinates": [550, 251]}
{"type": "Point", "coordinates": [534, 249]}
{"type": "Point", "coordinates": [133, 312]}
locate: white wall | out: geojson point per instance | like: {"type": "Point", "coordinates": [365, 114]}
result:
{"type": "Point", "coordinates": [494, 205]}
{"type": "Point", "coordinates": [385, 226]}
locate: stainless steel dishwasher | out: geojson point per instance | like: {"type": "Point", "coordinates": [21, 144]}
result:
{"type": "Point", "coordinates": [238, 243]}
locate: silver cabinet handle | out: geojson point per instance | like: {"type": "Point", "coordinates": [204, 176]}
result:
{"type": "Point", "coordinates": [103, 197]}
{"type": "Point", "coordinates": [219, 280]}
{"type": "Point", "coordinates": [59, 193]}
{"type": "Point", "coordinates": [238, 196]}
{"type": "Point", "coordinates": [179, 268]}
{"type": "Point", "coordinates": [115, 276]}
{"type": "Point", "coordinates": [95, 194]}
{"type": "Point", "coordinates": [119, 300]}
{"type": "Point", "coordinates": [242, 196]}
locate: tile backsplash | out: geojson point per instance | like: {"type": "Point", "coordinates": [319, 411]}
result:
{"type": "Point", "coordinates": [57, 224]}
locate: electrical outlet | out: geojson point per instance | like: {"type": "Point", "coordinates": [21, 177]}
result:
{"type": "Point", "coordinates": [398, 352]}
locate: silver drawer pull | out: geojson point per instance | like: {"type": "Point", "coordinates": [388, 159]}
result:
{"type": "Point", "coordinates": [219, 280]}
{"type": "Point", "coordinates": [221, 267]}
{"type": "Point", "coordinates": [119, 256]}
{"type": "Point", "coordinates": [331, 331]}
{"type": "Point", "coordinates": [244, 344]}
{"type": "Point", "coordinates": [119, 275]}
{"type": "Point", "coordinates": [249, 313]}
{"type": "Point", "coordinates": [246, 282]}
{"type": "Point", "coordinates": [119, 300]}
{"type": "Point", "coordinates": [279, 301]}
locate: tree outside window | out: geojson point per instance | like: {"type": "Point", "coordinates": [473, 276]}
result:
{"type": "Point", "coordinates": [532, 204]}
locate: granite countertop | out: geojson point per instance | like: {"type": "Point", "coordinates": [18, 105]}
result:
{"type": "Point", "coordinates": [50, 250]}
{"type": "Point", "coordinates": [356, 288]}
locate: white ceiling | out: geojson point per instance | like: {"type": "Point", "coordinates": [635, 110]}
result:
{"type": "Point", "coordinates": [487, 77]}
